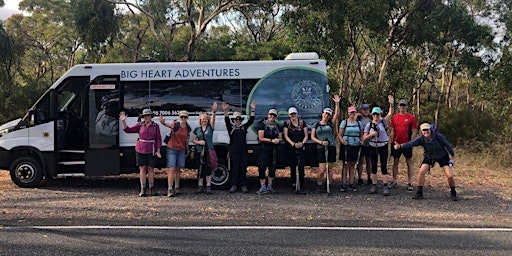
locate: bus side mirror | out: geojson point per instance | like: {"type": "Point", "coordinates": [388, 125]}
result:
{"type": "Point", "coordinates": [31, 117]}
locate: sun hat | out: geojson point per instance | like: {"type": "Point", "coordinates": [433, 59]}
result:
{"type": "Point", "coordinates": [183, 113]}
{"type": "Point", "coordinates": [402, 102]}
{"type": "Point", "coordinates": [365, 106]}
{"type": "Point", "coordinates": [376, 110]}
{"type": "Point", "coordinates": [328, 111]}
{"type": "Point", "coordinates": [272, 111]}
{"type": "Point", "coordinates": [424, 126]}
{"type": "Point", "coordinates": [292, 110]}
{"type": "Point", "coordinates": [352, 109]}
{"type": "Point", "coordinates": [237, 116]}
{"type": "Point", "coordinates": [147, 112]}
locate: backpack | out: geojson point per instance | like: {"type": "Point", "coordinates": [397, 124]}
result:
{"type": "Point", "coordinates": [175, 130]}
{"type": "Point", "coordinates": [274, 130]}
{"type": "Point", "coordinates": [289, 124]}
{"type": "Point", "coordinates": [358, 124]}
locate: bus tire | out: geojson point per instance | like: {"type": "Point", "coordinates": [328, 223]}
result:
{"type": "Point", "coordinates": [221, 178]}
{"type": "Point", "coordinates": [26, 172]}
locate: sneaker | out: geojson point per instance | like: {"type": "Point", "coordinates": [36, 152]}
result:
{"type": "Point", "coordinates": [373, 189]}
{"type": "Point", "coordinates": [453, 197]}
{"type": "Point", "coordinates": [262, 190]}
{"type": "Point", "coordinates": [393, 184]}
{"type": "Point", "coordinates": [245, 190]}
{"type": "Point", "coordinates": [410, 187]}
{"type": "Point", "coordinates": [270, 189]}
{"type": "Point", "coordinates": [354, 188]}
{"type": "Point", "coordinates": [369, 182]}
{"type": "Point", "coordinates": [343, 188]}
{"type": "Point", "coordinates": [177, 191]}
{"type": "Point", "coordinates": [208, 190]}
{"type": "Point", "coordinates": [200, 190]}
{"type": "Point", "coordinates": [232, 189]}
{"type": "Point", "coordinates": [142, 192]}
{"type": "Point", "coordinates": [418, 196]}
{"type": "Point", "coordinates": [320, 189]}
{"type": "Point", "coordinates": [301, 192]}
{"type": "Point", "coordinates": [385, 192]}
{"type": "Point", "coordinates": [171, 193]}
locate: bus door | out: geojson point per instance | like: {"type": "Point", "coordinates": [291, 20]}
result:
{"type": "Point", "coordinates": [102, 153]}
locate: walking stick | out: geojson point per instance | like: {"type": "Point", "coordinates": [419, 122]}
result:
{"type": "Point", "coordinates": [357, 161]}
{"type": "Point", "coordinates": [297, 180]}
{"type": "Point", "coordinates": [328, 180]}
{"type": "Point", "coordinates": [201, 162]}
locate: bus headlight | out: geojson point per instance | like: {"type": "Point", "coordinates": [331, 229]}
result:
{"type": "Point", "coordinates": [4, 132]}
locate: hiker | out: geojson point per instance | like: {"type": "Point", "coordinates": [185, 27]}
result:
{"type": "Point", "coordinates": [147, 148]}
{"type": "Point", "coordinates": [238, 155]}
{"type": "Point", "coordinates": [436, 149]}
{"type": "Point", "coordinates": [269, 136]}
{"type": "Point", "coordinates": [202, 137]}
{"type": "Point", "coordinates": [403, 129]}
{"type": "Point", "coordinates": [177, 149]}
{"type": "Point", "coordinates": [350, 135]}
{"type": "Point", "coordinates": [295, 133]}
{"type": "Point", "coordinates": [322, 133]}
{"type": "Point", "coordinates": [375, 133]}
{"type": "Point", "coordinates": [364, 117]}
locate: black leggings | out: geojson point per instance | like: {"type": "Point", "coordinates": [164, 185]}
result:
{"type": "Point", "coordinates": [265, 160]}
{"type": "Point", "coordinates": [239, 167]}
{"type": "Point", "coordinates": [296, 158]}
{"type": "Point", "coordinates": [382, 153]}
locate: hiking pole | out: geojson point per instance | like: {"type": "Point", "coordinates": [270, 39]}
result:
{"type": "Point", "coordinates": [297, 180]}
{"type": "Point", "coordinates": [357, 161]}
{"type": "Point", "coordinates": [328, 180]}
{"type": "Point", "coordinates": [201, 162]}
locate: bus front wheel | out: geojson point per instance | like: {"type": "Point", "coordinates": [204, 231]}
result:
{"type": "Point", "coordinates": [221, 177]}
{"type": "Point", "coordinates": [26, 172]}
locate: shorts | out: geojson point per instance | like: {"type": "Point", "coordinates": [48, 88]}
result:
{"type": "Point", "coordinates": [331, 154]}
{"type": "Point", "coordinates": [396, 153]}
{"type": "Point", "coordinates": [365, 151]}
{"type": "Point", "coordinates": [444, 161]}
{"type": "Point", "coordinates": [145, 159]}
{"type": "Point", "coordinates": [175, 158]}
{"type": "Point", "coordinates": [352, 153]}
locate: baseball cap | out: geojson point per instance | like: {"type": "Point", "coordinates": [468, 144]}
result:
{"type": "Point", "coordinates": [424, 126]}
{"type": "Point", "coordinates": [376, 110]}
{"type": "Point", "coordinates": [365, 106]}
{"type": "Point", "coordinates": [292, 110]}
{"type": "Point", "coordinates": [328, 111]}
{"type": "Point", "coordinates": [183, 113]}
{"type": "Point", "coordinates": [402, 102]}
{"type": "Point", "coordinates": [272, 111]}
{"type": "Point", "coordinates": [352, 109]}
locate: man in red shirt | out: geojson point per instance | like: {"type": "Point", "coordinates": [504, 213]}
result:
{"type": "Point", "coordinates": [403, 128]}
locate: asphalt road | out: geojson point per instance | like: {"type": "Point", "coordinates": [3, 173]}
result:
{"type": "Point", "coordinates": [251, 241]}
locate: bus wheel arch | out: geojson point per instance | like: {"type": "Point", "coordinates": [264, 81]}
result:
{"type": "Point", "coordinates": [27, 171]}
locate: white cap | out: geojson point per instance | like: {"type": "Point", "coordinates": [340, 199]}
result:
{"type": "Point", "coordinates": [292, 110]}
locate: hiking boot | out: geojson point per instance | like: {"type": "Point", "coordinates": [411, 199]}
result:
{"type": "Point", "coordinates": [385, 192]}
{"type": "Point", "coordinates": [453, 196]}
{"type": "Point", "coordinates": [373, 189]}
{"type": "Point", "coordinates": [245, 190]}
{"type": "Point", "coordinates": [301, 192]}
{"type": "Point", "coordinates": [171, 193]}
{"type": "Point", "coordinates": [393, 184]}
{"type": "Point", "coordinates": [152, 192]}
{"type": "Point", "coordinates": [343, 188]}
{"type": "Point", "coordinates": [232, 189]}
{"type": "Point", "coordinates": [418, 196]}
{"type": "Point", "coordinates": [410, 187]}
{"type": "Point", "coordinates": [142, 192]}
{"type": "Point", "coordinates": [262, 190]}
{"type": "Point", "coordinates": [177, 191]}
{"type": "Point", "coordinates": [200, 190]}
{"type": "Point", "coordinates": [270, 189]}
{"type": "Point", "coordinates": [208, 190]}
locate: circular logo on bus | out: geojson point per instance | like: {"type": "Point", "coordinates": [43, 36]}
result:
{"type": "Point", "coordinates": [306, 94]}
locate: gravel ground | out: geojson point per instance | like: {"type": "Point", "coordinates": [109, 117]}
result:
{"type": "Point", "coordinates": [114, 201]}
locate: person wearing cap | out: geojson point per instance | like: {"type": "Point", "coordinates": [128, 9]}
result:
{"type": "Point", "coordinates": [238, 155]}
{"type": "Point", "coordinates": [375, 133]}
{"type": "Point", "coordinates": [322, 133]}
{"type": "Point", "coordinates": [202, 137]}
{"type": "Point", "coordinates": [146, 148]}
{"type": "Point", "coordinates": [350, 135]}
{"type": "Point", "coordinates": [364, 117]}
{"type": "Point", "coordinates": [296, 135]}
{"type": "Point", "coordinates": [403, 129]}
{"type": "Point", "coordinates": [269, 136]}
{"type": "Point", "coordinates": [436, 149]}
{"type": "Point", "coordinates": [177, 149]}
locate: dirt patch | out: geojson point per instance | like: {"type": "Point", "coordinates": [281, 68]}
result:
{"type": "Point", "coordinates": [485, 202]}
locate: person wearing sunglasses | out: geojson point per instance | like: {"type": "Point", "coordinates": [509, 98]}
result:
{"type": "Point", "coordinates": [403, 129]}
{"type": "Point", "coordinates": [269, 136]}
{"type": "Point", "coordinates": [238, 155]}
{"type": "Point", "coordinates": [375, 132]}
{"type": "Point", "coordinates": [202, 137]}
{"type": "Point", "coordinates": [436, 149]}
{"type": "Point", "coordinates": [177, 149]}
{"type": "Point", "coordinates": [296, 135]}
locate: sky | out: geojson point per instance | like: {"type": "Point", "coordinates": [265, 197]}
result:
{"type": "Point", "coordinates": [10, 8]}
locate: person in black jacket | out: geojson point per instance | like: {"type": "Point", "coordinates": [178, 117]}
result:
{"type": "Point", "coordinates": [238, 154]}
{"type": "Point", "coordinates": [437, 149]}
{"type": "Point", "coordinates": [295, 133]}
